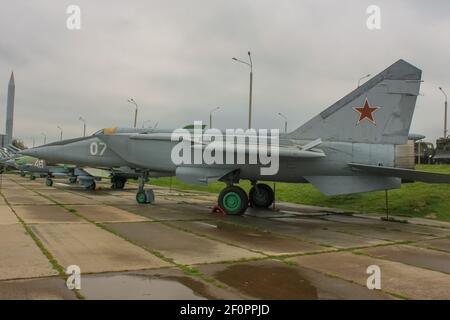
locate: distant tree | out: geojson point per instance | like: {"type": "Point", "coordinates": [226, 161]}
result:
{"type": "Point", "coordinates": [19, 144]}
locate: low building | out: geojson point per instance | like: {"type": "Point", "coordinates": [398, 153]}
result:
{"type": "Point", "coordinates": [404, 155]}
{"type": "Point", "coordinates": [442, 152]}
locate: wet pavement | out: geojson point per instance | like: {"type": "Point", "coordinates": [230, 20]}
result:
{"type": "Point", "coordinates": [167, 283]}
{"type": "Point", "coordinates": [176, 249]}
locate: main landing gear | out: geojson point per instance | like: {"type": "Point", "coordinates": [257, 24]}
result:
{"type": "Point", "coordinates": [49, 181]}
{"type": "Point", "coordinates": [73, 179]}
{"type": "Point", "coordinates": [261, 196]}
{"type": "Point", "coordinates": [234, 200]}
{"type": "Point", "coordinates": [91, 186]}
{"type": "Point", "coordinates": [144, 195]}
{"type": "Point", "coordinates": [118, 182]}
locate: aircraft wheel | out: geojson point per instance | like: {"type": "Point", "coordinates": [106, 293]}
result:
{"type": "Point", "coordinates": [141, 197]}
{"type": "Point", "coordinates": [150, 195]}
{"type": "Point", "coordinates": [22, 174]}
{"type": "Point", "coordinates": [48, 182]}
{"type": "Point", "coordinates": [72, 180]}
{"type": "Point", "coordinates": [233, 200]}
{"type": "Point", "coordinates": [118, 183]}
{"type": "Point", "coordinates": [261, 196]}
{"type": "Point", "coordinates": [145, 196]}
{"type": "Point", "coordinates": [32, 177]}
{"type": "Point", "coordinates": [92, 186]}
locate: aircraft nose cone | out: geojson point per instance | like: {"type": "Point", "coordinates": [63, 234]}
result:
{"type": "Point", "coordinates": [27, 152]}
{"type": "Point", "coordinates": [44, 152]}
{"type": "Point", "coordinates": [33, 152]}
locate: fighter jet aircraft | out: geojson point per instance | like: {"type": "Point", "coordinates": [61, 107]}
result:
{"type": "Point", "coordinates": [347, 148]}
{"type": "Point", "coordinates": [75, 154]}
{"type": "Point", "coordinates": [39, 168]}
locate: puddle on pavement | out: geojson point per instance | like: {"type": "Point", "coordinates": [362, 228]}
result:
{"type": "Point", "coordinates": [268, 282]}
{"type": "Point", "coordinates": [142, 287]}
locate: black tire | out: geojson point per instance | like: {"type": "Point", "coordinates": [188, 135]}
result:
{"type": "Point", "coordinates": [48, 182]}
{"type": "Point", "coordinates": [150, 195]}
{"type": "Point", "coordinates": [261, 196]}
{"type": "Point", "coordinates": [32, 177]}
{"type": "Point", "coordinates": [92, 186]}
{"type": "Point", "coordinates": [22, 174]}
{"type": "Point", "coordinates": [118, 183]}
{"type": "Point", "coordinates": [73, 180]}
{"type": "Point", "coordinates": [233, 200]}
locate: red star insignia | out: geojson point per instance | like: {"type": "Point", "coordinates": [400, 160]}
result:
{"type": "Point", "coordinates": [366, 112]}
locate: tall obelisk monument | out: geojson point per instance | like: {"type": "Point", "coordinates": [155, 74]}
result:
{"type": "Point", "coordinates": [10, 110]}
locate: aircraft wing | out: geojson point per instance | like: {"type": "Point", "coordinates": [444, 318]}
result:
{"type": "Point", "coordinates": [201, 175]}
{"type": "Point", "coordinates": [308, 150]}
{"type": "Point", "coordinates": [406, 174]}
{"type": "Point", "coordinates": [283, 151]}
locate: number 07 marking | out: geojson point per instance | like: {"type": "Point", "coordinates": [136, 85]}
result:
{"type": "Point", "coordinates": [95, 147]}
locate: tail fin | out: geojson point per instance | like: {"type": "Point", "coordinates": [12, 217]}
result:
{"type": "Point", "coordinates": [379, 111]}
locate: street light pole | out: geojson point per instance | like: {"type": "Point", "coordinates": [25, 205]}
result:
{"type": "Point", "coordinates": [131, 100]}
{"type": "Point", "coordinates": [84, 125]}
{"type": "Point", "coordinates": [285, 121]}
{"type": "Point", "coordinates": [210, 116]}
{"type": "Point", "coordinates": [250, 97]}
{"type": "Point", "coordinates": [61, 132]}
{"type": "Point", "coordinates": [445, 113]}
{"type": "Point", "coordinates": [362, 78]}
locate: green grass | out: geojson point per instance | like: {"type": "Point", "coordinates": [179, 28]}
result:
{"type": "Point", "coordinates": [412, 200]}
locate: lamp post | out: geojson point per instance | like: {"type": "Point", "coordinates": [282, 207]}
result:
{"type": "Point", "coordinates": [210, 116]}
{"type": "Point", "coordinates": [418, 151]}
{"type": "Point", "coordinates": [45, 137]}
{"type": "Point", "coordinates": [362, 78]}
{"type": "Point", "coordinates": [84, 125]}
{"type": "Point", "coordinates": [250, 64]}
{"type": "Point", "coordinates": [285, 121]}
{"type": "Point", "coordinates": [131, 100]}
{"type": "Point", "coordinates": [445, 113]}
{"type": "Point", "coordinates": [61, 132]}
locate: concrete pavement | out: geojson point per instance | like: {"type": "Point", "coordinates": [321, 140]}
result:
{"type": "Point", "coordinates": [177, 249]}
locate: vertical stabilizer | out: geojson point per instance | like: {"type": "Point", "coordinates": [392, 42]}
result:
{"type": "Point", "coordinates": [379, 111]}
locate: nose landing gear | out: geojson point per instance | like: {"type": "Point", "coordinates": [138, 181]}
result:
{"type": "Point", "coordinates": [144, 195]}
{"type": "Point", "coordinates": [48, 181]}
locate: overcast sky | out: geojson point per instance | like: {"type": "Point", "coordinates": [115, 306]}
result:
{"type": "Point", "coordinates": [174, 59]}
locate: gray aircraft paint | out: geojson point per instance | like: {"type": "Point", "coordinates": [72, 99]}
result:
{"type": "Point", "coordinates": [88, 152]}
{"type": "Point", "coordinates": [344, 140]}
{"type": "Point", "coordinates": [79, 152]}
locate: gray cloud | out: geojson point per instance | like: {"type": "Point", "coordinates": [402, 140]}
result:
{"type": "Point", "coordinates": [174, 58]}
